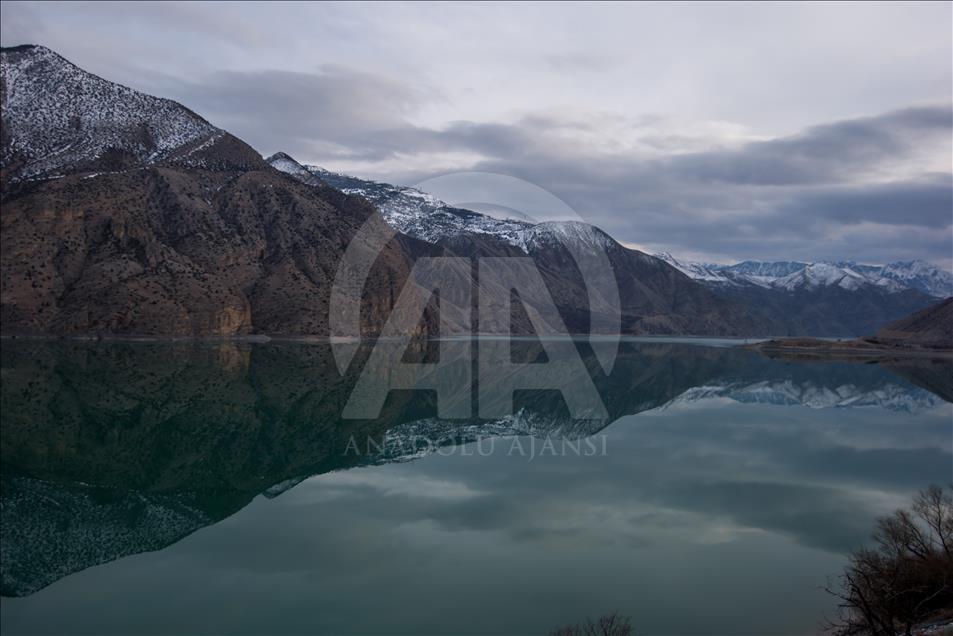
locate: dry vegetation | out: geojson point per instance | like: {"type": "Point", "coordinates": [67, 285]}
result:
{"type": "Point", "coordinates": [613, 624]}
{"type": "Point", "coordinates": [906, 579]}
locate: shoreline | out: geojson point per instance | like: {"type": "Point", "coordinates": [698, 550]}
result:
{"type": "Point", "coordinates": [794, 347]}
{"type": "Point", "coordinates": [808, 348]}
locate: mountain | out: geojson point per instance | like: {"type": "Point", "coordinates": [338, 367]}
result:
{"type": "Point", "coordinates": [792, 275]}
{"type": "Point", "coordinates": [655, 297]}
{"type": "Point", "coordinates": [841, 299]}
{"type": "Point", "coordinates": [59, 119]}
{"type": "Point", "coordinates": [925, 334]}
{"type": "Point", "coordinates": [698, 271]}
{"type": "Point", "coordinates": [409, 210]}
{"type": "Point", "coordinates": [931, 327]}
{"type": "Point", "coordinates": [748, 298]}
{"type": "Point", "coordinates": [129, 214]}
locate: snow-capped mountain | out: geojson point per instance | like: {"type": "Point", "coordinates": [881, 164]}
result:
{"type": "Point", "coordinates": [816, 275]}
{"type": "Point", "coordinates": [60, 119]}
{"type": "Point", "coordinates": [776, 298]}
{"type": "Point", "coordinates": [654, 298]}
{"type": "Point", "coordinates": [154, 221]}
{"type": "Point", "coordinates": [426, 217]}
{"type": "Point", "coordinates": [848, 275]}
{"type": "Point", "coordinates": [699, 271]}
{"type": "Point", "coordinates": [410, 210]}
{"type": "Point", "coordinates": [917, 274]}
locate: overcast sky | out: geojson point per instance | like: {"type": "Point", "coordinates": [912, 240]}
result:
{"type": "Point", "coordinates": [713, 131]}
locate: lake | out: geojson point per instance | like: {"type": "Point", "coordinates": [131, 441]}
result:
{"type": "Point", "coordinates": [201, 487]}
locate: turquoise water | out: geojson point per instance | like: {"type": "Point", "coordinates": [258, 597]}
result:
{"type": "Point", "coordinates": [215, 488]}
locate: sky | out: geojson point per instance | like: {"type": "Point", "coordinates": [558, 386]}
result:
{"type": "Point", "coordinates": [716, 132]}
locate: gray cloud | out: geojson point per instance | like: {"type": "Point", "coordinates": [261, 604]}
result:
{"type": "Point", "coordinates": [822, 154]}
{"type": "Point", "coordinates": [819, 194]}
{"type": "Point", "coordinates": [336, 112]}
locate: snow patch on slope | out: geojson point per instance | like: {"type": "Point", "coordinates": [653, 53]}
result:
{"type": "Point", "coordinates": [847, 275]}
{"type": "Point", "coordinates": [56, 116]}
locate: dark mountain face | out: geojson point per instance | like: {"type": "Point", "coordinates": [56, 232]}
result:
{"type": "Point", "coordinates": [931, 327]}
{"type": "Point", "coordinates": [655, 298]}
{"type": "Point", "coordinates": [158, 223]}
{"type": "Point", "coordinates": [824, 311]}
{"type": "Point", "coordinates": [168, 251]}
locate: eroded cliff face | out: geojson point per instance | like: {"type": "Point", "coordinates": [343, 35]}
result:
{"type": "Point", "coordinates": [174, 251]}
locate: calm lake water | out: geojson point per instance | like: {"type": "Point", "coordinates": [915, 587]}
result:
{"type": "Point", "coordinates": [156, 488]}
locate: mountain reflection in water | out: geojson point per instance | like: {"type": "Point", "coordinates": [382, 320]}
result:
{"type": "Point", "coordinates": [117, 448]}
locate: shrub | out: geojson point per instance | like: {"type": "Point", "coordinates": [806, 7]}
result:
{"type": "Point", "coordinates": [613, 624]}
{"type": "Point", "coordinates": [906, 578]}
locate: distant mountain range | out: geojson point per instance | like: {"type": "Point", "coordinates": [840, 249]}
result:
{"type": "Point", "coordinates": [793, 275]}
{"type": "Point", "coordinates": [129, 214]}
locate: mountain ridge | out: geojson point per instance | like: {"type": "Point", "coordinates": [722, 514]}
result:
{"type": "Point", "coordinates": [59, 119]}
{"type": "Point", "coordinates": [127, 214]}
{"type": "Point", "coordinates": [790, 275]}
{"type": "Point", "coordinates": [786, 298]}
{"type": "Point", "coordinates": [655, 298]}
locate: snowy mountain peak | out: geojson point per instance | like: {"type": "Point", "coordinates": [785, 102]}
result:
{"type": "Point", "coordinates": [817, 275]}
{"type": "Point", "coordinates": [285, 163]}
{"type": "Point", "coordinates": [698, 271]}
{"type": "Point", "coordinates": [551, 232]}
{"type": "Point", "coordinates": [847, 275]}
{"type": "Point", "coordinates": [921, 275]}
{"type": "Point", "coordinates": [58, 118]}
{"type": "Point", "coordinates": [424, 216]}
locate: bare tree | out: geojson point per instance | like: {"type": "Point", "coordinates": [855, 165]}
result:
{"type": "Point", "coordinates": [613, 624]}
{"type": "Point", "coordinates": [906, 578]}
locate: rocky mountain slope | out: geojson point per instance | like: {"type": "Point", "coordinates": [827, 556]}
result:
{"type": "Point", "coordinates": [655, 298]}
{"type": "Point", "coordinates": [931, 327]}
{"type": "Point", "coordinates": [59, 119]}
{"type": "Point", "coordinates": [927, 334]}
{"type": "Point", "coordinates": [128, 214]}
{"type": "Point", "coordinates": [409, 210]}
